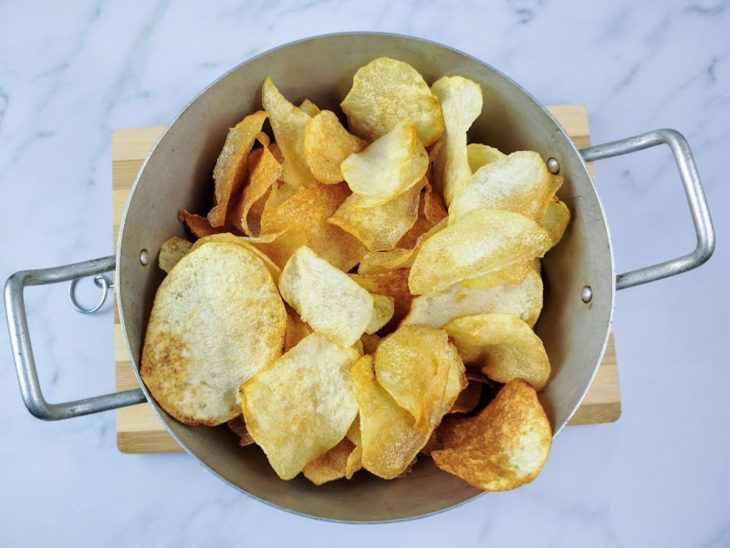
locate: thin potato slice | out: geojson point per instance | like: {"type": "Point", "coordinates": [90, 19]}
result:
{"type": "Point", "coordinates": [461, 103]}
{"type": "Point", "coordinates": [216, 321]}
{"type": "Point", "coordinates": [199, 226]}
{"type": "Point", "coordinates": [383, 308]}
{"type": "Point", "coordinates": [264, 171]}
{"type": "Point", "coordinates": [289, 124]}
{"type": "Point", "coordinates": [482, 242]}
{"type": "Point", "coordinates": [431, 212]}
{"type": "Point", "coordinates": [393, 283]}
{"type": "Point", "coordinates": [557, 217]}
{"type": "Point", "coordinates": [325, 297]}
{"type": "Point", "coordinates": [309, 108]}
{"type": "Point", "coordinates": [171, 251]}
{"type": "Point", "coordinates": [393, 164]}
{"type": "Point", "coordinates": [519, 183]}
{"type": "Point", "coordinates": [468, 399]}
{"type": "Point", "coordinates": [502, 447]}
{"type": "Point", "coordinates": [503, 346]}
{"type": "Point", "coordinates": [331, 465]}
{"type": "Point", "coordinates": [480, 155]}
{"type": "Point", "coordinates": [230, 168]}
{"type": "Point", "coordinates": [512, 274]}
{"type": "Point", "coordinates": [302, 405]}
{"type": "Point", "coordinates": [386, 92]}
{"type": "Point", "coordinates": [354, 462]}
{"type": "Point", "coordinates": [248, 245]}
{"type": "Point", "coordinates": [326, 145]}
{"type": "Point", "coordinates": [524, 300]}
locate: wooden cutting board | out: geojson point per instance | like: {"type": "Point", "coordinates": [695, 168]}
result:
{"type": "Point", "coordinates": [138, 428]}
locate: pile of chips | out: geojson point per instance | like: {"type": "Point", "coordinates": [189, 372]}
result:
{"type": "Point", "coordinates": [363, 294]}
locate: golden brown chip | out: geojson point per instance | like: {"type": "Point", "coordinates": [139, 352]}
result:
{"type": "Point", "coordinates": [468, 399]}
{"type": "Point", "coordinates": [370, 343]}
{"type": "Point", "coordinates": [383, 308]}
{"type": "Point", "coordinates": [461, 103]}
{"type": "Point", "coordinates": [310, 108]}
{"type": "Point", "coordinates": [230, 168]}
{"type": "Point", "coordinates": [331, 465]}
{"type": "Point", "coordinates": [524, 300]}
{"type": "Point", "coordinates": [481, 242]}
{"type": "Point", "coordinates": [386, 92]}
{"type": "Point", "coordinates": [199, 226]}
{"type": "Point", "coordinates": [325, 297]}
{"type": "Point", "coordinates": [238, 427]}
{"type": "Point", "coordinates": [326, 145]}
{"type": "Point", "coordinates": [557, 217]}
{"type": "Point", "coordinates": [502, 447]}
{"type": "Point", "coordinates": [393, 164]}
{"type": "Point", "coordinates": [302, 405]}
{"type": "Point", "coordinates": [171, 251]}
{"type": "Point", "coordinates": [480, 155]}
{"type": "Point", "coordinates": [217, 320]}
{"type": "Point", "coordinates": [296, 330]}
{"type": "Point", "coordinates": [246, 243]}
{"type": "Point", "coordinates": [503, 346]}
{"type": "Point", "coordinates": [393, 283]}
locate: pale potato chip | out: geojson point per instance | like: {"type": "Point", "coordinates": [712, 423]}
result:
{"type": "Point", "coordinates": [414, 365]}
{"type": "Point", "coordinates": [326, 145]}
{"type": "Point", "coordinates": [396, 162]}
{"type": "Point", "coordinates": [331, 465]}
{"type": "Point", "coordinates": [369, 342]}
{"type": "Point", "coordinates": [309, 108]}
{"type": "Point", "coordinates": [519, 183]}
{"type": "Point", "coordinates": [389, 440]}
{"type": "Point", "coordinates": [512, 274]}
{"type": "Point", "coordinates": [264, 170]}
{"type": "Point", "coordinates": [199, 226]}
{"type": "Point", "coordinates": [383, 308]}
{"type": "Point", "coordinates": [556, 219]}
{"type": "Point", "coordinates": [393, 283]}
{"type": "Point", "coordinates": [248, 245]}
{"type": "Point", "coordinates": [503, 346]}
{"type": "Point", "coordinates": [468, 399]}
{"type": "Point", "coordinates": [379, 228]}
{"type": "Point", "coordinates": [289, 124]}
{"type": "Point", "coordinates": [296, 330]}
{"type": "Point", "coordinates": [524, 300]}
{"type": "Point", "coordinates": [230, 168]}
{"type": "Point", "coordinates": [171, 251]}
{"type": "Point", "coordinates": [217, 320]}
{"type": "Point", "coordinates": [480, 155]}
{"type": "Point", "coordinates": [386, 92]}
{"type": "Point", "coordinates": [326, 298]}
{"type": "Point", "coordinates": [461, 103]}
{"type": "Point", "coordinates": [304, 215]}
{"type": "Point", "coordinates": [354, 462]}
{"type": "Point", "coordinates": [502, 447]}
{"type": "Point", "coordinates": [431, 212]}
{"type": "Point", "coordinates": [481, 242]}
{"type": "Point", "coordinates": [302, 405]}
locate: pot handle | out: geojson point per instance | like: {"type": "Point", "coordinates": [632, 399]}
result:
{"type": "Point", "coordinates": [695, 197]}
{"type": "Point", "coordinates": [30, 388]}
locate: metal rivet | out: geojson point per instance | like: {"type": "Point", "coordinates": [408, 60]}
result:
{"type": "Point", "coordinates": [553, 166]}
{"type": "Point", "coordinates": [586, 294]}
{"type": "Point", "coordinates": [144, 257]}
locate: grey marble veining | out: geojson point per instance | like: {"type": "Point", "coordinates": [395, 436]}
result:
{"type": "Point", "coordinates": [658, 477]}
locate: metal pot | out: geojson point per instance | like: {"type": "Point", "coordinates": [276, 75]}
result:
{"type": "Point", "coordinates": [579, 274]}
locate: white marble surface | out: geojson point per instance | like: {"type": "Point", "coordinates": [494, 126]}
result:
{"type": "Point", "coordinates": [658, 477]}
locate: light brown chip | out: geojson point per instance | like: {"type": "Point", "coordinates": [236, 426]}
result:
{"type": "Point", "coordinates": [326, 145]}
{"type": "Point", "coordinates": [302, 405]}
{"type": "Point", "coordinates": [370, 343]}
{"type": "Point", "coordinates": [309, 108]}
{"type": "Point", "coordinates": [512, 274]}
{"type": "Point", "coordinates": [393, 164]}
{"type": "Point", "coordinates": [249, 244]}
{"type": "Point", "coordinates": [331, 465]}
{"type": "Point", "coordinates": [289, 124]}
{"type": "Point", "coordinates": [503, 346]}
{"type": "Point", "coordinates": [557, 217]}
{"type": "Point", "coordinates": [238, 427]}
{"type": "Point", "coordinates": [199, 226]}
{"type": "Point", "coordinates": [325, 297]}
{"type": "Point", "coordinates": [468, 399]}
{"type": "Point", "coordinates": [264, 170]}
{"type": "Point", "coordinates": [296, 330]}
{"type": "Point", "coordinates": [217, 320]}
{"type": "Point", "coordinates": [502, 447]}
{"type": "Point", "coordinates": [230, 168]}
{"type": "Point", "coordinates": [171, 251]}
{"type": "Point", "coordinates": [461, 103]}
{"type": "Point", "coordinates": [393, 283]}
{"type": "Point", "coordinates": [523, 300]}
{"type": "Point", "coordinates": [480, 155]}
{"type": "Point", "coordinates": [383, 308]}
{"type": "Point", "coordinates": [431, 212]}
{"type": "Point", "coordinates": [386, 92]}
{"type": "Point", "coordinates": [481, 242]}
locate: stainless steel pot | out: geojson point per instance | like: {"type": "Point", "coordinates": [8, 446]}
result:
{"type": "Point", "coordinates": [579, 274]}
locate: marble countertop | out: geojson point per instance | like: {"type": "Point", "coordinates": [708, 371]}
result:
{"type": "Point", "coordinates": [657, 477]}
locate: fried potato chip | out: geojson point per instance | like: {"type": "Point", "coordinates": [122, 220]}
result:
{"type": "Point", "coordinates": [393, 164]}
{"type": "Point", "coordinates": [519, 183]}
{"type": "Point", "coordinates": [331, 465]}
{"type": "Point", "coordinates": [171, 251]}
{"type": "Point", "coordinates": [414, 365]}
{"type": "Point", "coordinates": [325, 297]}
{"type": "Point", "coordinates": [393, 283]}
{"type": "Point", "coordinates": [431, 212]}
{"type": "Point", "coordinates": [383, 261]}
{"type": "Point", "coordinates": [354, 462]}
{"type": "Point", "coordinates": [502, 447]}
{"type": "Point", "coordinates": [370, 342]}
{"type": "Point", "coordinates": [230, 168]}
{"type": "Point", "coordinates": [264, 170]}
{"type": "Point", "coordinates": [512, 274]}
{"type": "Point", "coordinates": [383, 308]}
{"type": "Point", "coordinates": [461, 103]}
{"type": "Point", "coordinates": [468, 399]}
{"type": "Point", "coordinates": [217, 319]}
{"type": "Point", "coordinates": [482, 242]}
{"type": "Point", "coordinates": [309, 108]}
{"type": "Point", "coordinates": [289, 124]}
{"type": "Point", "coordinates": [503, 346]}
{"type": "Point", "coordinates": [524, 300]}
{"type": "Point", "coordinates": [238, 427]}
{"type": "Point", "coordinates": [556, 219]}
{"type": "Point", "coordinates": [389, 440]}
{"type": "Point", "coordinates": [199, 226]}
{"type": "Point", "coordinates": [246, 244]}
{"type": "Point", "coordinates": [296, 330]}
{"type": "Point", "coordinates": [480, 155]}
{"type": "Point", "coordinates": [326, 145]}
{"type": "Point", "coordinates": [302, 405]}
{"type": "Point", "coordinates": [379, 228]}
{"type": "Point", "coordinates": [386, 92]}
{"type": "Point", "coordinates": [303, 215]}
